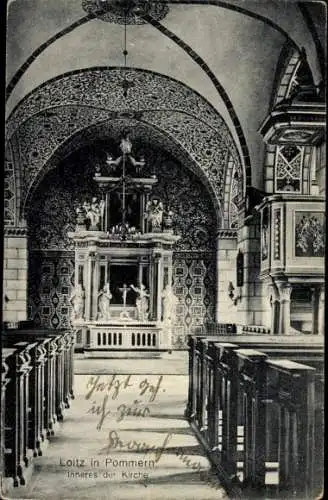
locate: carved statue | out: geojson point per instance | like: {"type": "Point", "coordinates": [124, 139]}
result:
{"type": "Point", "coordinates": [142, 302]}
{"type": "Point", "coordinates": [77, 301]}
{"type": "Point", "coordinates": [104, 298]}
{"type": "Point", "coordinates": [170, 302]}
{"type": "Point", "coordinates": [126, 145]}
{"type": "Point", "coordinates": [95, 213]}
{"type": "Point", "coordinates": [154, 214]}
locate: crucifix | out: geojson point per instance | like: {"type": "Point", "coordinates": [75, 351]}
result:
{"type": "Point", "coordinates": [124, 291]}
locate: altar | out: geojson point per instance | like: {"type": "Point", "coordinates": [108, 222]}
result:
{"type": "Point", "coordinates": [124, 240]}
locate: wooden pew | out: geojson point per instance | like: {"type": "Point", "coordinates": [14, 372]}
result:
{"type": "Point", "coordinates": [36, 388]}
{"type": "Point", "coordinates": [224, 383]}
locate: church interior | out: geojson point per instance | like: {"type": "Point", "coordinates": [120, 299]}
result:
{"type": "Point", "coordinates": [164, 243]}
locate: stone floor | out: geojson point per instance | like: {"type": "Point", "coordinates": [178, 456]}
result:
{"type": "Point", "coordinates": [125, 439]}
{"type": "Point", "coordinates": [170, 363]}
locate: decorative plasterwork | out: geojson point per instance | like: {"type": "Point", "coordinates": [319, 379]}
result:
{"type": "Point", "coordinates": [15, 231]}
{"type": "Point", "coordinates": [129, 11]}
{"type": "Point", "coordinates": [63, 108]}
{"type": "Point", "coordinates": [101, 88]}
{"type": "Point", "coordinates": [49, 154]}
{"type": "Point", "coordinates": [227, 234]}
{"type": "Point", "coordinates": [9, 189]}
{"type": "Point", "coordinates": [289, 162]}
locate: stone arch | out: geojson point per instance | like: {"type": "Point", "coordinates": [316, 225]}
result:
{"type": "Point", "coordinates": [46, 118]}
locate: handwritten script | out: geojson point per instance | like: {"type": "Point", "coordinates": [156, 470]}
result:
{"type": "Point", "coordinates": [114, 443]}
{"type": "Point", "coordinates": [113, 388]}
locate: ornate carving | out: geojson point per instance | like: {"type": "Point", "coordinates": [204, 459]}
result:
{"type": "Point", "coordinates": [227, 233]}
{"type": "Point", "coordinates": [289, 162]}
{"type": "Point", "coordinates": [277, 233]}
{"type": "Point", "coordinates": [125, 11]}
{"type": "Point", "coordinates": [309, 234]}
{"type": "Point", "coordinates": [15, 231]}
{"type": "Point", "coordinates": [9, 190]}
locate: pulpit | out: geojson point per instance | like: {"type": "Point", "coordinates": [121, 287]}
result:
{"type": "Point", "coordinates": [124, 240]}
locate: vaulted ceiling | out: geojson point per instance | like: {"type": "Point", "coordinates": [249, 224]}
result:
{"type": "Point", "coordinates": [226, 51]}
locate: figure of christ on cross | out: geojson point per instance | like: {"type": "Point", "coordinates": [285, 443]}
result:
{"type": "Point", "coordinates": [124, 291]}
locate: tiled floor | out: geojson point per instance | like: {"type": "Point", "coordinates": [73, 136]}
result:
{"type": "Point", "coordinates": [151, 454]}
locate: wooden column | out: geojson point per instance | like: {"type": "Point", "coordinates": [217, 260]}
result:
{"type": "Point", "coordinates": [3, 435]}
{"type": "Point", "coordinates": [213, 402]}
{"type": "Point", "coordinates": [191, 404]}
{"type": "Point", "coordinates": [59, 376]}
{"type": "Point", "coordinates": [48, 385]}
{"type": "Point", "coordinates": [15, 417]}
{"type": "Point", "coordinates": [52, 385]}
{"type": "Point", "coordinates": [71, 366]}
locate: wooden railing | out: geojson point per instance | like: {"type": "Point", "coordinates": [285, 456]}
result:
{"type": "Point", "coordinates": [37, 386]}
{"type": "Point", "coordinates": [258, 412]}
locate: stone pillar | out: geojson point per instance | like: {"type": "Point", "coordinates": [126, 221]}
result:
{"type": "Point", "coordinates": [151, 288]}
{"type": "Point", "coordinates": [159, 287]}
{"type": "Point", "coordinates": [95, 286]}
{"type": "Point", "coordinates": [285, 290]}
{"type": "Point", "coordinates": [15, 274]}
{"type": "Point", "coordinates": [140, 273]}
{"type": "Point", "coordinates": [88, 287]}
{"type": "Point", "coordinates": [273, 296]}
{"type": "Point", "coordinates": [226, 252]}
{"type": "Point", "coordinates": [321, 311]}
{"type": "Point", "coordinates": [142, 213]}
{"type": "Point", "coordinates": [250, 310]}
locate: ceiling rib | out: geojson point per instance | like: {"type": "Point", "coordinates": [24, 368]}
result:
{"type": "Point", "coordinates": [204, 66]}
{"type": "Point", "coordinates": [24, 67]}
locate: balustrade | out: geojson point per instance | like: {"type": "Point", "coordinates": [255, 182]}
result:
{"type": "Point", "coordinates": [37, 385]}
{"type": "Point", "coordinates": [259, 414]}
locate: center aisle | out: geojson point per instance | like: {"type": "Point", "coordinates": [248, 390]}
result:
{"type": "Point", "coordinates": [124, 438]}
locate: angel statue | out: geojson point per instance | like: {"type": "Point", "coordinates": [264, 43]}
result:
{"type": "Point", "coordinates": [154, 214]}
{"type": "Point", "coordinates": [77, 301]}
{"type": "Point", "coordinates": [142, 302]}
{"type": "Point", "coordinates": [112, 164]}
{"type": "Point", "coordinates": [104, 298]}
{"type": "Point", "coordinates": [95, 213]}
